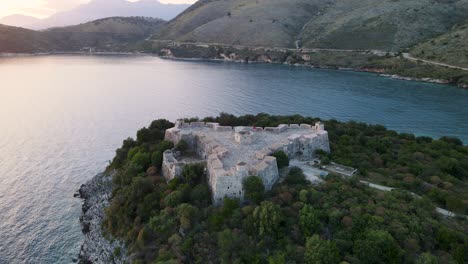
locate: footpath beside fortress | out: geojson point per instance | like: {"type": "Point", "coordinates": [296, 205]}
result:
{"type": "Point", "coordinates": [233, 153]}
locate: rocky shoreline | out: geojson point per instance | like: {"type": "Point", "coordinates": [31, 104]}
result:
{"type": "Point", "coordinates": [382, 74]}
{"type": "Point", "coordinates": [96, 247]}
{"type": "Point", "coordinates": [322, 59]}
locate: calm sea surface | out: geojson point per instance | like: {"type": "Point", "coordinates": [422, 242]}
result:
{"type": "Point", "coordinates": [62, 117]}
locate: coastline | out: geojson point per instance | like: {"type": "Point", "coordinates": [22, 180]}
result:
{"type": "Point", "coordinates": [110, 53]}
{"type": "Point", "coordinates": [381, 73]}
{"type": "Point", "coordinates": [96, 248]}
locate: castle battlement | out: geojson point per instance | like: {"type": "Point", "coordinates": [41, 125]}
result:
{"type": "Point", "coordinates": [217, 127]}
{"type": "Point", "coordinates": [234, 153]}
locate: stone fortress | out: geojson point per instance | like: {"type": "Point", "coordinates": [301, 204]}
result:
{"type": "Point", "coordinates": [233, 153]}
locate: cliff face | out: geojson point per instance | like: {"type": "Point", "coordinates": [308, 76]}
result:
{"type": "Point", "coordinates": [341, 24]}
{"type": "Point", "coordinates": [96, 248]}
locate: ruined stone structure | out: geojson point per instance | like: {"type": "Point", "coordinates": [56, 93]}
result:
{"type": "Point", "coordinates": [232, 154]}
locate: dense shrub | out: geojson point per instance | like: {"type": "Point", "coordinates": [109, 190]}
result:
{"type": "Point", "coordinates": [253, 189]}
{"type": "Point", "coordinates": [282, 159]}
{"type": "Point", "coordinates": [339, 220]}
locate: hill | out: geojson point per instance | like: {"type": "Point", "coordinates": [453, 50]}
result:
{"type": "Point", "coordinates": [98, 9]}
{"type": "Point", "coordinates": [102, 34]}
{"type": "Point", "coordinates": [451, 47]}
{"type": "Point", "coordinates": [242, 22]}
{"type": "Point", "coordinates": [19, 21]}
{"type": "Point", "coordinates": [339, 24]}
{"type": "Point", "coordinates": [338, 221]}
{"type": "Point", "coordinates": [107, 32]}
{"type": "Point", "coordinates": [20, 40]}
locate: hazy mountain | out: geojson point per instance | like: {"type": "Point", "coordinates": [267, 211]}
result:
{"type": "Point", "coordinates": [98, 9]}
{"type": "Point", "coordinates": [103, 34]}
{"type": "Point", "coordinates": [341, 24]}
{"type": "Point", "coordinates": [19, 21]}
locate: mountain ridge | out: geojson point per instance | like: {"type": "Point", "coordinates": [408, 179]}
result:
{"type": "Point", "coordinates": [109, 34]}
{"type": "Point", "coordinates": [387, 25]}
{"type": "Point", "coordinates": [98, 9]}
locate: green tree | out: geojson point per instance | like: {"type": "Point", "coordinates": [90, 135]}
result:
{"type": "Point", "coordinates": [173, 199]}
{"type": "Point", "coordinates": [377, 246]}
{"type": "Point", "coordinates": [200, 195]}
{"type": "Point", "coordinates": [267, 219]}
{"type": "Point", "coordinates": [182, 146]}
{"type": "Point", "coordinates": [186, 214]}
{"type": "Point", "coordinates": [253, 189]}
{"type": "Point", "coordinates": [282, 159]}
{"type": "Point", "coordinates": [278, 258]}
{"type": "Point", "coordinates": [229, 205]}
{"type": "Point", "coordinates": [309, 221]}
{"type": "Point", "coordinates": [427, 258]}
{"type": "Point", "coordinates": [193, 173]}
{"type": "Point", "coordinates": [141, 161]}
{"type": "Point", "coordinates": [319, 251]}
{"type": "Point", "coordinates": [295, 176]}
{"type": "Point", "coordinates": [161, 124]}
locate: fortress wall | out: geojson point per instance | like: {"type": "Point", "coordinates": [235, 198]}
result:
{"type": "Point", "coordinates": [228, 183]}
{"type": "Point", "coordinates": [216, 127]}
{"type": "Point", "coordinates": [171, 167]}
{"type": "Point", "coordinates": [267, 170]}
{"type": "Point", "coordinates": [304, 147]}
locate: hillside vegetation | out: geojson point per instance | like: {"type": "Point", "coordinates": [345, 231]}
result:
{"type": "Point", "coordinates": [340, 24]}
{"type": "Point", "coordinates": [296, 222]}
{"type": "Point", "coordinates": [451, 47]}
{"type": "Point", "coordinates": [20, 40]}
{"type": "Point", "coordinates": [106, 32]}
{"type": "Point", "coordinates": [103, 34]}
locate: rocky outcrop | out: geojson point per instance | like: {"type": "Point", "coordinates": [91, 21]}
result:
{"type": "Point", "coordinates": [96, 248]}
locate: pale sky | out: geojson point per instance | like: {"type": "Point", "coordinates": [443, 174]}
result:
{"type": "Point", "coordinates": [44, 8]}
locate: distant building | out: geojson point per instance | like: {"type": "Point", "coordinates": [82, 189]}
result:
{"type": "Point", "coordinates": [340, 169]}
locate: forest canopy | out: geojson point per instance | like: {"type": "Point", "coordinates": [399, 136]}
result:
{"type": "Point", "coordinates": [340, 220]}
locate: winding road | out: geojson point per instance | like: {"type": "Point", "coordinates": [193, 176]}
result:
{"type": "Point", "coordinates": [299, 49]}
{"type": "Point", "coordinates": [439, 210]}
{"type": "Point", "coordinates": [409, 57]}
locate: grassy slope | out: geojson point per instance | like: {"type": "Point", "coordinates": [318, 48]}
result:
{"type": "Point", "coordinates": [384, 24]}
{"type": "Point", "coordinates": [100, 33]}
{"type": "Point", "coordinates": [343, 24]}
{"type": "Point", "coordinates": [107, 32]}
{"type": "Point", "coordinates": [256, 23]}
{"type": "Point", "coordinates": [451, 47]}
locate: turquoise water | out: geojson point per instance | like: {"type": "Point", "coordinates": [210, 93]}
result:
{"type": "Point", "coordinates": [62, 117]}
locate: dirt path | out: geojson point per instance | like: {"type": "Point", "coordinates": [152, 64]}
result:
{"type": "Point", "coordinates": [439, 210]}
{"type": "Point", "coordinates": [409, 57]}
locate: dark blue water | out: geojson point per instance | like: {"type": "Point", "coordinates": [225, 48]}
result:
{"type": "Point", "coordinates": [62, 117]}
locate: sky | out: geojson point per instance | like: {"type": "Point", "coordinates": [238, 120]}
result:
{"type": "Point", "coordinates": [44, 8]}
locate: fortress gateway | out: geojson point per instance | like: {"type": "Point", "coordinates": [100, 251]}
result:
{"type": "Point", "coordinates": [232, 154]}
